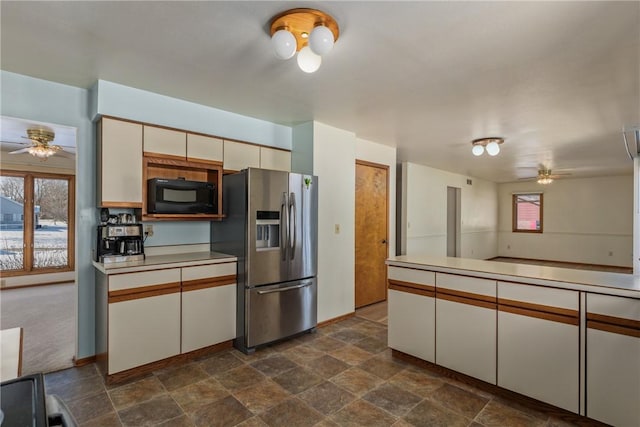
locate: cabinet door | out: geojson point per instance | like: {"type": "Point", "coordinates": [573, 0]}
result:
{"type": "Point", "coordinates": [208, 305]}
{"type": "Point", "coordinates": [271, 158]}
{"type": "Point", "coordinates": [412, 315]}
{"type": "Point", "coordinates": [165, 141]}
{"type": "Point", "coordinates": [238, 156]}
{"type": "Point", "coordinates": [200, 147]}
{"type": "Point", "coordinates": [143, 330]}
{"type": "Point", "coordinates": [119, 163]}
{"type": "Point", "coordinates": [466, 325]}
{"type": "Point", "coordinates": [539, 343]}
{"type": "Point", "coordinates": [613, 360]}
{"type": "Point", "coordinates": [143, 318]}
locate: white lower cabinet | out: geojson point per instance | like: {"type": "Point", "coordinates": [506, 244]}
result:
{"type": "Point", "coordinates": [466, 325]}
{"type": "Point", "coordinates": [539, 343]}
{"type": "Point", "coordinates": [157, 314]}
{"type": "Point", "coordinates": [143, 330]}
{"type": "Point", "coordinates": [613, 360]}
{"type": "Point", "coordinates": [411, 311]}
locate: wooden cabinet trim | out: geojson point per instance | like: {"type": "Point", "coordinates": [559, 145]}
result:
{"type": "Point", "coordinates": [467, 295]}
{"type": "Point", "coordinates": [121, 205]}
{"type": "Point", "coordinates": [143, 292]}
{"type": "Point", "coordinates": [569, 320]}
{"type": "Point", "coordinates": [159, 156]}
{"type": "Point", "coordinates": [616, 329]}
{"type": "Point", "coordinates": [612, 320]}
{"type": "Point", "coordinates": [210, 282]}
{"type": "Point", "coordinates": [412, 288]}
{"type": "Point", "coordinates": [539, 307]}
{"type": "Point", "coordinates": [465, 300]}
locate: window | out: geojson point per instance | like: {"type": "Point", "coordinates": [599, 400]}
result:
{"type": "Point", "coordinates": [37, 230]}
{"type": "Point", "coordinates": [527, 213]}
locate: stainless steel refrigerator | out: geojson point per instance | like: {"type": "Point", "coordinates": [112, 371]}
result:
{"type": "Point", "coordinates": [270, 224]}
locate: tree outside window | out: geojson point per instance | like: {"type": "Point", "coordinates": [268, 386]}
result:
{"type": "Point", "coordinates": [527, 213]}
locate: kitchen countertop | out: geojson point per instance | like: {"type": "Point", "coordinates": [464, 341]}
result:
{"type": "Point", "coordinates": [620, 284]}
{"type": "Point", "coordinates": [155, 262]}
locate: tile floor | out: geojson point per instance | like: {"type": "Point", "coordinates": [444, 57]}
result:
{"type": "Point", "coordinates": [341, 375]}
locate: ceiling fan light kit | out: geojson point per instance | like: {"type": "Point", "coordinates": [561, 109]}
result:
{"type": "Point", "coordinates": [544, 176]}
{"type": "Point", "coordinates": [489, 144]}
{"type": "Point", "coordinates": [310, 32]}
{"type": "Point", "coordinates": [40, 148]}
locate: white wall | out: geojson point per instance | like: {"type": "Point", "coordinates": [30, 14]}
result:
{"type": "Point", "coordinates": [334, 156]}
{"type": "Point", "coordinates": [587, 220]}
{"type": "Point", "coordinates": [384, 155]}
{"type": "Point", "coordinates": [424, 213]}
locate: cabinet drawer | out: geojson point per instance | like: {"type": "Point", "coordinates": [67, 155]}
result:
{"type": "Point", "coordinates": [560, 298]}
{"type": "Point", "coordinates": [144, 278]}
{"type": "Point", "coordinates": [411, 275]}
{"type": "Point", "coordinates": [467, 284]}
{"type": "Point", "coordinates": [626, 308]}
{"type": "Point", "coordinates": [207, 271]}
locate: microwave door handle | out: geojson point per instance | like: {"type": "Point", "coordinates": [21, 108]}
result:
{"type": "Point", "coordinates": [284, 226]}
{"type": "Point", "coordinates": [294, 222]}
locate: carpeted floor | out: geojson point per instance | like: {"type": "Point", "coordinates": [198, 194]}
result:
{"type": "Point", "coordinates": [47, 315]}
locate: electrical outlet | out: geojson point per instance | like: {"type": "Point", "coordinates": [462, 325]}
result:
{"type": "Point", "coordinates": [610, 253]}
{"type": "Point", "coordinates": [336, 229]}
{"type": "Point", "coordinates": [148, 230]}
{"type": "Point", "coordinates": [508, 247]}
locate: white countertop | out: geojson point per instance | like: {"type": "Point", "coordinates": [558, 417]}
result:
{"type": "Point", "coordinates": [164, 261]}
{"type": "Point", "coordinates": [583, 280]}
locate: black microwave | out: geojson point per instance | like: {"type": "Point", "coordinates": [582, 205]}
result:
{"type": "Point", "coordinates": [179, 196]}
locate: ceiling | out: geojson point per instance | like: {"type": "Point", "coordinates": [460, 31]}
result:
{"type": "Point", "coordinates": [557, 80]}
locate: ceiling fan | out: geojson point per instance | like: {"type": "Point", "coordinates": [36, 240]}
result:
{"type": "Point", "coordinates": [546, 177]}
{"type": "Point", "coordinates": [40, 144]}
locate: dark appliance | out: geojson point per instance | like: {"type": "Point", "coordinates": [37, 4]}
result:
{"type": "Point", "coordinates": [270, 224]}
{"type": "Point", "coordinates": [180, 196]}
{"type": "Point", "coordinates": [119, 243]}
{"type": "Point", "coordinates": [24, 403]}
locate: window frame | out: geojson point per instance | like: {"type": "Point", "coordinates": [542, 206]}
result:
{"type": "Point", "coordinates": [28, 237]}
{"type": "Point", "coordinates": [514, 213]}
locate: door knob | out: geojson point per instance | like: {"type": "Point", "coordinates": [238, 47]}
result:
{"type": "Point", "coordinates": [384, 241]}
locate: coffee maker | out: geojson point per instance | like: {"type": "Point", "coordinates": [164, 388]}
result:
{"type": "Point", "coordinates": [119, 239]}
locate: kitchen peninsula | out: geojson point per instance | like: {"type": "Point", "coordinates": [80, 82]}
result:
{"type": "Point", "coordinates": [163, 310]}
{"type": "Point", "coordinates": [569, 338]}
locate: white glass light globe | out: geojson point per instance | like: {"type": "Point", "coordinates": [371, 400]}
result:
{"type": "Point", "coordinates": [284, 44]}
{"type": "Point", "coordinates": [477, 150]}
{"type": "Point", "coordinates": [493, 148]}
{"type": "Point", "coordinates": [308, 61]}
{"type": "Point", "coordinates": [321, 40]}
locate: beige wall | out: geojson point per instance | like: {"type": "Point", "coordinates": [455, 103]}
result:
{"type": "Point", "coordinates": [587, 220]}
{"type": "Point", "coordinates": [424, 213]}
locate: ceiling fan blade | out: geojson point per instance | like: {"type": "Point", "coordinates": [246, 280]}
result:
{"type": "Point", "coordinates": [22, 150]}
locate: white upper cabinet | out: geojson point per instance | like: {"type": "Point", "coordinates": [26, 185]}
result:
{"type": "Point", "coordinates": [120, 163]}
{"type": "Point", "coordinates": [238, 156]}
{"type": "Point", "coordinates": [271, 158]}
{"type": "Point", "coordinates": [200, 147]}
{"type": "Point", "coordinates": [165, 141]}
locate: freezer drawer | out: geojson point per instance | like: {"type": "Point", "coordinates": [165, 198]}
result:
{"type": "Point", "coordinates": [278, 311]}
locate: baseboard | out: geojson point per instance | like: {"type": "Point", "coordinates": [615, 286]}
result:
{"type": "Point", "coordinates": [84, 361]}
{"type": "Point", "coordinates": [336, 319]}
{"type": "Point", "coordinates": [57, 282]}
{"type": "Point", "coordinates": [139, 371]}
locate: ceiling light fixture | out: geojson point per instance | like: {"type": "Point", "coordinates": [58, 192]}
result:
{"type": "Point", "coordinates": [491, 145]}
{"type": "Point", "coordinates": [310, 32]}
{"type": "Point", "coordinates": [544, 176]}
{"type": "Point", "coordinates": [41, 151]}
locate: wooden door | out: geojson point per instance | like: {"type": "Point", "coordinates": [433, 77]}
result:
{"type": "Point", "coordinates": [372, 225]}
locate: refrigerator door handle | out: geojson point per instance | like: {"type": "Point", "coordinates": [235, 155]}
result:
{"type": "Point", "coordinates": [294, 220]}
{"type": "Point", "coordinates": [284, 226]}
{"type": "Point", "coordinates": [290, 288]}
